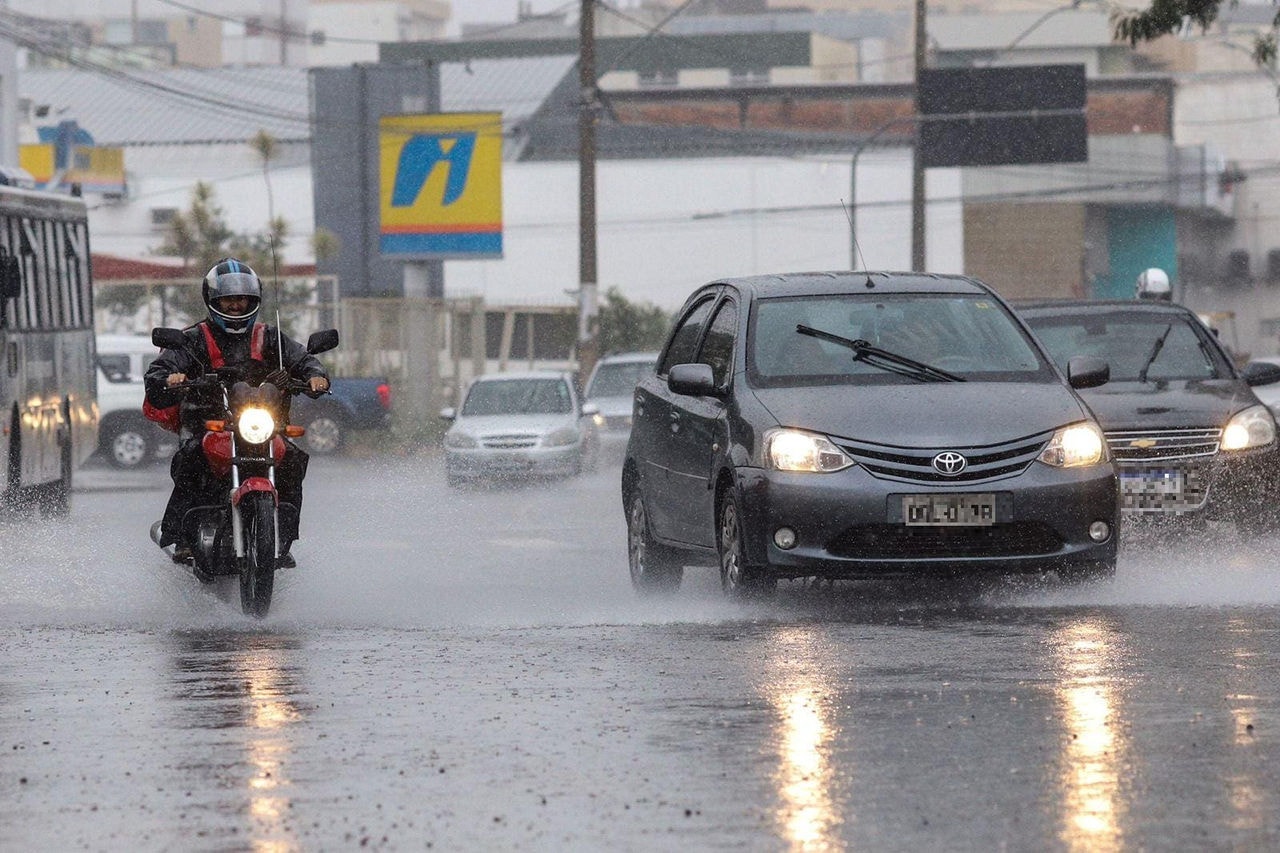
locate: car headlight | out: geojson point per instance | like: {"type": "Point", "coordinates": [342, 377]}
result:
{"type": "Point", "coordinates": [598, 419]}
{"type": "Point", "coordinates": [459, 440]}
{"type": "Point", "coordinates": [1075, 446]}
{"type": "Point", "coordinates": [562, 437]}
{"type": "Point", "coordinates": [255, 425]}
{"type": "Point", "coordinates": [793, 450]}
{"type": "Point", "coordinates": [1253, 427]}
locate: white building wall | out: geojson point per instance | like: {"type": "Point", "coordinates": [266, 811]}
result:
{"type": "Point", "coordinates": [665, 226]}
{"type": "Point", "coordinates": [164, 176]}
{"type": "Point", "coordinates": [8, 102]}
{"type": "Point", "coordinates": [354, 29]}
{"type": "Point", "coordinates": [1239, 116]}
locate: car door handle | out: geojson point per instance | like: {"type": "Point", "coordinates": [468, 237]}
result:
{"type": "Point", "coordinates": [675, 421]}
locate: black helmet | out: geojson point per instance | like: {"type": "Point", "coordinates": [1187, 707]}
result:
{"type": "Point", "coordinates": [230, 277]}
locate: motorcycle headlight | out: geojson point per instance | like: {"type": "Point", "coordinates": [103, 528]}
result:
{"type": "Point", "coordinates": [1253, 427]}
{"type": "Point", "coordinates": [1075, 446]}
{"type": "Point", "coordinates": [256, 425]}
{"type": "Point", "coordinates": [793, 450]}
{"type": "Point", "coordinates": [560, 438]}
{"type": "Point", "coordinates": [459, 440]}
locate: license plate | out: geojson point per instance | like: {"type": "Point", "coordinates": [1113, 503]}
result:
{"type": "Point", "coordinates": [1152, 483]}
{"type": "Point", "coordinates": [949, 510]}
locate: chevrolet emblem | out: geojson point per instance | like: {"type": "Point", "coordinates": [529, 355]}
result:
{"type": "Point", "coordinates": [1143, 443]}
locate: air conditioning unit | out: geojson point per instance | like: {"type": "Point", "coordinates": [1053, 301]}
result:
{"type": "Point", "coordinates": [161, 217]}
{"type": "Point", "coordinates": [1273, 266]}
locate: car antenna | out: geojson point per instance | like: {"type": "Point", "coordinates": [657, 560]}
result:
{"type": "Point", "coordinates": [857, 247]}
{"type": "Point", "coordinates": [275, 277]}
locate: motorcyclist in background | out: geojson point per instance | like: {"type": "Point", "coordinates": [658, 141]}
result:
{"type": "Point", "coordinates": [230, 336]}
{"type": "Point", "coordinates": [1153, 283]}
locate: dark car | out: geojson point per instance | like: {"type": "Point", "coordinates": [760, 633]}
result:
{"type": "Point", "coordinates": [862, 424]}
{"type": "Point", "coordinates": [1189, 438]}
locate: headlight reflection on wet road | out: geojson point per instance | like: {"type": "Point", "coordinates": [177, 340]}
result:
{"type": "Point", "coordinates": [807, 814]}
{"type": "Point", "coordinates": [1095, 741]}
{"type": "Point", "coordinates": [247, 684]}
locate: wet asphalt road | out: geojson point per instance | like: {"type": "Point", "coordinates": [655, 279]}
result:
{"type": "Point", "coordinates": [470, 670]}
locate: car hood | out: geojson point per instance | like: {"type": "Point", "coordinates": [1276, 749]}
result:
{"type": "Point", "coordinates": [1166, 405]}
{"type": "Point", "coordinates": [481, 425]}
{"type": "Point", "coordinates": [613, 407]}
{"type": "Point", "coordinates": [955, 414]}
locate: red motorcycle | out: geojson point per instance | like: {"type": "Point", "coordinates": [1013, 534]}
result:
{"type": "Point", "coordinates": [238, 535]}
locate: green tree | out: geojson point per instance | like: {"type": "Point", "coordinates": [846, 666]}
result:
{"type": "Point", "coordinates": [627, 326]}
{"type": "Point", "coordinates": [1163, 17]}
{"type": "Point", "coordinates": [201, 237]}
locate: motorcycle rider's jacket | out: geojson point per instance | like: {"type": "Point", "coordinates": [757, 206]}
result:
{"type": "Point", "coordinates": [208, 347]}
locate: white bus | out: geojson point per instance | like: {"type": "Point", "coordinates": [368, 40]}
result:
{"type": "Point", "coordinates": [48, 408]}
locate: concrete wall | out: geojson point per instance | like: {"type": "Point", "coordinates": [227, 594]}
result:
{"type": "Point", "coordinates": [1026, 250]}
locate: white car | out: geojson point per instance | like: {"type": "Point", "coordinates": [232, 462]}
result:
{"type": "Point", "coordinates": [611, 389]}
{"type": "Point", "coordinates": [125, 438]}
{"type": "Point", "coordinates": [513, 424]}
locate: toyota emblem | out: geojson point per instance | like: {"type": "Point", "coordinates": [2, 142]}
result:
{"type": "Point", "coordinates": [949, 463]}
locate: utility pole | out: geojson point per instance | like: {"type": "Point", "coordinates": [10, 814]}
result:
{"type": "Point", "coordinates": [917, 161]}
{"type": "Point", "coordinates": [587, 284]}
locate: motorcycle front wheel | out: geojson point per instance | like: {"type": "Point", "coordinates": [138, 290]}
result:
{"type": "Point", "coordinates": [258, 571]}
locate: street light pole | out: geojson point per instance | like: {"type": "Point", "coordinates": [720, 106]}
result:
{"type": "Point", "coordinates": [587, 275]}
{"type": "Point", "coordinates": [917, 162]}
{"type": "Point", "coordinates": [854, 252]}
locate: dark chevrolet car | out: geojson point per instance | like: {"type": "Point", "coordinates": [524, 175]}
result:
{"type": "Point", "coordinates": [1190, 439]}
{"type": "Point", "coordinates": [859, 424]}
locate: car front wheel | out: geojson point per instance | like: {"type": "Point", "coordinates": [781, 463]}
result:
{"type": "Point", "coordinates": [654, 567]}
{"type": "Point", "coordinates": [738, 578]}
{"type": "Point", "coordinates": [129, 444]}
{"type": "Point", "coordinates": [325, 433]}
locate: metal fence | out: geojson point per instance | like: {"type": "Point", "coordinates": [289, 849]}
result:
{"type": "Point", "coordinates": [385, 337]}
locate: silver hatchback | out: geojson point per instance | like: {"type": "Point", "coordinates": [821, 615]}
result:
{"type": "Point", "coordinates": [519, 424]}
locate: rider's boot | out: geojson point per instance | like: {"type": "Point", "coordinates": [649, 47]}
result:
{"type": "Point", "coordinates": [286, 560]}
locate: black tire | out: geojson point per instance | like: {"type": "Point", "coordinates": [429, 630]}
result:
{"type": "Point", "coordinates": [738, 578]}
{"type": "Point", "coordinates": [15, 500]}
{"type": "Point", "coordinates": [128, 443]}
{"type": "Point", "coordinates": [258, 571]}
{"type": "Point", "coordinates": [655, 568]}
{"type": "Point", "coordinates": [326, 432]}
{"type": "Point", "coordinates": [55, 498]}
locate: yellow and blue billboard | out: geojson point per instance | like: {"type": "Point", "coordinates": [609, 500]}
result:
{"type": "Point", "coordinates": [440, 185]}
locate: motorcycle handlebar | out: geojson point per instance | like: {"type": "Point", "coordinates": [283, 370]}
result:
{"type": "Point", "coordinates": [212, 380]}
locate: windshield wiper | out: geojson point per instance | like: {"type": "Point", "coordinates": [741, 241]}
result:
{"type": "Point", "coordinates": [883, 358]}
{"type": "Point", "coordinates": [1155, 351]}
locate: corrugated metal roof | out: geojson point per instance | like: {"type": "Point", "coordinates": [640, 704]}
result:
{"type": "Point", "coordinates": [181, 105]}
{"type": "Point", "coordinates": [185, 106]}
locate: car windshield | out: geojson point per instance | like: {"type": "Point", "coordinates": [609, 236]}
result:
{"type": "Point", "coordinates": [1126, 340]}
{"type": "Point", "coordinates": [519, 397]}
{"type": "Point", "coordinates": [970, 336]}
{"type": "Point", "coordinates": [618, 378]}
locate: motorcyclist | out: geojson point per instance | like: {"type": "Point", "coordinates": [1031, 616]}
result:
{"type": "Point", "coordinates": [230, 336]}
{"type": "Point", "coordinates": [1153, 283]}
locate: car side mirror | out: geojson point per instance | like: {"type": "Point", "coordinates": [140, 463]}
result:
{"type": "Point", "coordinates": [1261, 373]}
{"type": "Point", "coordinates": [168, 338]}
{"type": "Point", "coordinates": [448, 413]}
{"type": "Point", "coordinates": [322, 341]}
{"type": "Point", "coordinates": [10, 276]}
{"type": "Point", "coordinates": [692, 380]}
{"type": "Point", "coordinates": [589, 409]}
{"type": "Point", "coordinates": [1085, 371]}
